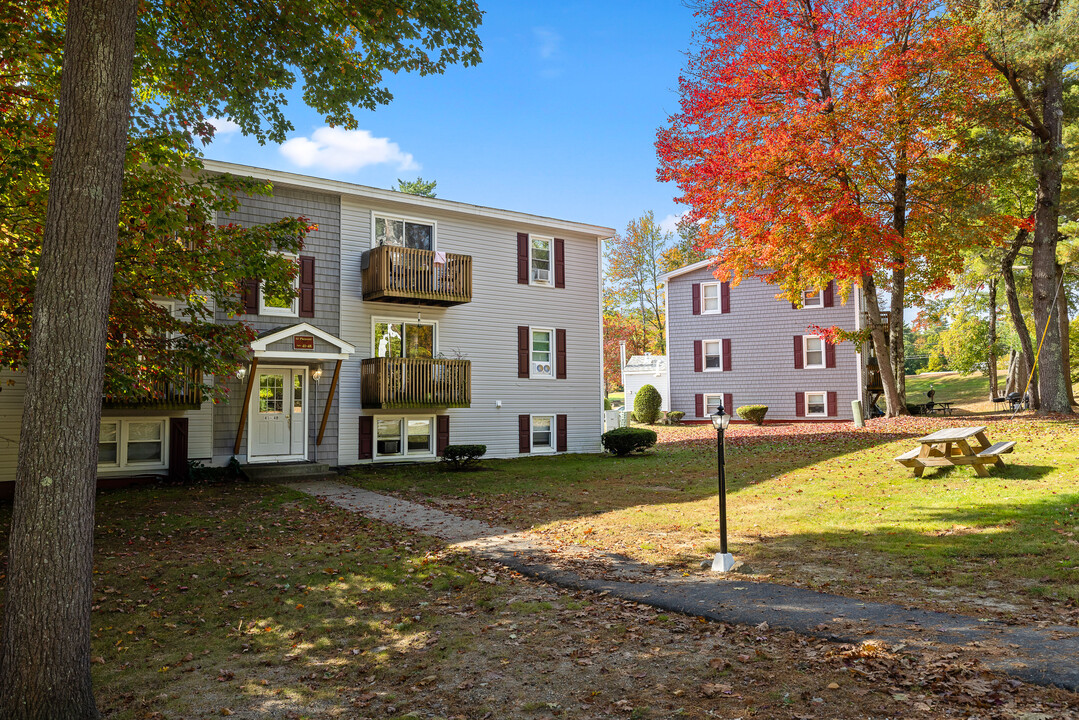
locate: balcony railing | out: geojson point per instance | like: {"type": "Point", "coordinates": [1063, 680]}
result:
{"type": "Point", "coordinates": [184, 394]}
{"type": "Point", "coordinates": [415, 383]}
{"type": "Point", "coordinates": [411, 276]}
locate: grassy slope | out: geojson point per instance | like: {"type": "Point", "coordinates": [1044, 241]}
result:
{"type": "Point", "coordinates": [822, 505]}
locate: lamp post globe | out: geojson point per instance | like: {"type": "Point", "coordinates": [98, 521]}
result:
{"type": "Point", "coordinates": [723, 560]}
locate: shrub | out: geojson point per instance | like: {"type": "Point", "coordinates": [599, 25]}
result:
{"type": "Point", "coordinates": [607, 404]}
{"type": "Point", "coordinates": [623, 441]}
{"type": "Point", "coordinates": [753, 413]}
{"type": "Point", "coordinates": [675, 416]}
{"type": "Point", "coordinates": [646, 405]}
{"type": "Point", "coordinates": [462, 456]}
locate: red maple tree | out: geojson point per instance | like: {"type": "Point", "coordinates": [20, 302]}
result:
{"type": "Point", "coordinates": [822, 140]}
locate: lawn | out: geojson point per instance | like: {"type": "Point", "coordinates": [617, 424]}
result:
{"type": "Point", "coordinates": [970, 393]}
{"type": "Point", "coordinates": [252, 601]}
{"type": "Point", "coordinates": [819, 505]}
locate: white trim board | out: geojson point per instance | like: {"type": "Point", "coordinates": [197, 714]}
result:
{"type": "Point", "coordinates": [259, 346]}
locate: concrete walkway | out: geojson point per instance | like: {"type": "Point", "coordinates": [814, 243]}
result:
{"type": "Point", "coordinates": [1043, 655]}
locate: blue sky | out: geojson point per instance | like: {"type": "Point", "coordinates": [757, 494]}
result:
{"type": "Point", "coordinates": [559, 119]}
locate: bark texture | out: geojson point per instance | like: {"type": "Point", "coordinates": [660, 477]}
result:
{"type": "Point", "coordinates": [895, 405]}
{"type": "Point", "coordinates": [1065, 333]}
{"type": "Point", "coordinates": [896, 340]}
{"type": "Point", "coordinates": [992, 364]}
{"type": "Point", "coordinates": [1016, 312]}
{"type": "Point", "coordinates": [45, 651]}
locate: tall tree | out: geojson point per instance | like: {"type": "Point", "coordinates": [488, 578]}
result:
{"type": "Point", "coordinates": [419, 186]}
{"type": "Point", "coordinates": [684, 251]}
{"type": "Point", "coordinates": [193, 61]}
{"type": "Point", "coordinates": [633, 273]}
{"type": "Point", "coordinates": [1030, 44]}
{"type": "Point", "coordinates": [822, 150]}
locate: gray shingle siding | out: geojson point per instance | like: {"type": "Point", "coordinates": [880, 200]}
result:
{"type": "Point", "coordinates": [761, 330]}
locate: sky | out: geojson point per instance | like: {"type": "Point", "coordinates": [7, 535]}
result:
{"type": "Point", "coordinates": [558, 120]}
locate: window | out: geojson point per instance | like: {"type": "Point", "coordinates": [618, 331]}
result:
{"type": "Point", "coordinates": [542, 437]}
{"type": "Point", "coordinates": [541, 354]}
{"type": "Point", "coordinates": [540, 260]}
{"type": "Point", "coordinates": [282, 305]}
{"type": "Point", "coordinates": [812, 299]}
{"type": "Point", "coordinates": [814, 351]}
{"type": "Point", "coordinates": [713, 354]}
{"type": "Point", "coordinates": [135, 443]}
{"type": "Point", "coordinates": [711, 402]}
{"type": "Point", "coordinates": [403, 437]}
{"type": "Point", "coordinates": [401, 232]}
{"type": "Point", "coordinates": [816, 404]}
{"type": "Point", "coordinates": [397, 338]}
{"type": "Point", "coordinates": [710, 298]}
{"type": "Point", "coordinates": [272, 394]}
{"type": "Point", "coordinates": [297, 393]}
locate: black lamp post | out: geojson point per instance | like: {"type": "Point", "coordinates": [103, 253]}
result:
{"type": "Point", "coordinates": [723, 561]}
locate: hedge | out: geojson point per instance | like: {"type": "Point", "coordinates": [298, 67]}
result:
{"type": "Point", "coordinates": [462, 456]}
{"type": "Point", "coordinates": [753, 413]}
{"type": "Point", "coordinates": [623, 441]}
{"type": "Point", "coordinates": [646, 405]}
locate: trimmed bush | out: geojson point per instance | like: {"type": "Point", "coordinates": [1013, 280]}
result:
{"type": "Point", "coordinates": [675, 416]}
{"type": "Point", "coordinates": [462, 456]}
{"type": "Point", "coordinates": [646, 405]}
{"type": "Point", "coordinates": [623, 441]}
{"type": "Point", "coordinates": [753, 413]}
{"type": "Point", "coordinates": [607, 404]}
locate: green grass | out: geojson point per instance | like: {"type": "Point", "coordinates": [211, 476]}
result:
{"type": "Point", "coordinates": [961, 389]}
{"type": "Point", "coordinates": [821, 505]}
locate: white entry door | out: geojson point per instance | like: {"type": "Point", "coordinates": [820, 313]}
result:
{"type": "Point", "coordinates": [278, 414]}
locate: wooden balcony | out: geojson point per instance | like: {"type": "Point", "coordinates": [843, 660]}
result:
{"type": "Point", "coordinates": [415, 383]}
{"type": "Point", "coordinates": [185, 394]}
{"type": "Point", "coordinates": [410, 276]}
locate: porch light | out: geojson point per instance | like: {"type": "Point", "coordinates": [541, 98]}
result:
{"type": "Point", "coordinates": [241, 372]}
{"type": "Point", "coordinates": [316, 374]}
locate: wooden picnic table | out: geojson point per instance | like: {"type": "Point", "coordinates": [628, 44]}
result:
{"type": "Point", "coordinates": [952, 447]}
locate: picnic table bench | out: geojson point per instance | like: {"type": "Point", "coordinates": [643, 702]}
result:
{"type": "Point", "coordinates": [952, 447]}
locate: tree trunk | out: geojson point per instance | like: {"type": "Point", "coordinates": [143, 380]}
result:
{"type": "Point", "coordinates": [895, 406]}
{"type": "Point", "coordinates": [1052, 377]}
{"type": "Point", "coordinates": [1065, 333]}
{"type": "Point", "coordinates": [1016, 311]}
{"type": "Point", "coordinates": [899, 283]}
{"type": "Point", "coordinates": [45, 653]}
{"type": "Point", "coordinates": [993, 386]}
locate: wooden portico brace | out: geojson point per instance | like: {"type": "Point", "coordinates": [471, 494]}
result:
{"type": "Point", "coordinates": [300, 344]}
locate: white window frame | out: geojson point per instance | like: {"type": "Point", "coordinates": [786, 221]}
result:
{"type": "Point", "coordinates": [824, 402]}
{"type": "Point", "coordinates": [293, 310]}
{"type": "Point", "coordinates": [553, 447]}
{"type": "Point", "coordinates": [719, 299]}
{"type": "Point", "coordinates": [553, 351]}
{"type": "Point", "coordinates": [704, 356]}
{"type": "Point", "coordinates": [405, 218]}
{"type": "Point", "coordinates": [550, 261]}
{"type": "Point", "coordinates": [819, 299]}
{"type": "Point", "coordinates": [805, 352]}
{"type": "Point", "coordinates": [122, 464]}
{"type": "Point", "coordinates": [376, 319]}
{"type": "Point", "coordinates": [710, 407]}
{"type": "Point", "coordinates": [402, 426]}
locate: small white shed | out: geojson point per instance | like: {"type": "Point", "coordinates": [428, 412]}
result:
{"type": "Point", "coordinates": [644, 370]}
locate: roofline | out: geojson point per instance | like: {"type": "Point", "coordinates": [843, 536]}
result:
{"type": "Point", "coordinates": [345, 188]}
{"type": "Point", "coordinates": [688, 268]}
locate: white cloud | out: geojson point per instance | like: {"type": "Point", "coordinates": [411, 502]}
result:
{"type": "Point", "coordinates": [223, 126]}
{"type": "Point", "coordinates": [549, 43]}
{"type": "Point", "coordinates": [670, 223]}
{"type": "Point", "coordinates": [345, 150]}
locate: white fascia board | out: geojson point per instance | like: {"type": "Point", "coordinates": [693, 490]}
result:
{"type": "Point", "coordinates": [263, 342]}
{"type": "Point", "coordinates": [688, 268]}
{"type": "Point", "coordinates": [336, 186]}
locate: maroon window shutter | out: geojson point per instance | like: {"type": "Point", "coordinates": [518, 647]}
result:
{"type": "Point", "coordinates": [560, 354]}
{"type": "Point", "coordinates": [798, 359]}
{"type": "Point", "coordinates": [559, 263]}
{"type": "Point", "coordinates": [698, 356]}
{"type": "Point", "coordinates": [799, 405]}
{"type": "Point", "coordinates": [728, 404]}
{"type": "Point", "coordinates": [829, 355]}
{"type": "Point", "coordinates": [563, 437]}
{"type": "Point", "coordinates": [829, 294]}
{"type": "Point", "coordinates": [522, 258]}
{"type": "Point", "coordinates": [367, 437]}
{"type": "Point", "coordinates": [307, 286]}
{"type": "Point", "coordinates": [524, 433]}
{"type": "Point", "coordinates": [794, 306]}
{"type": "Point", "coordinates": [442, 437]}
{"type": "Point", "coordinates": [522, 351]}
{"type": "Point", "coordinates": [725, 297]}
{"type": "Point", "coordinates": [178, 434]}
{"type": "Point", "coordinates": [833, 404]}
{"type": "Point", "coordinates": [726, 354]}
{"type": "Point", "coordinates": [249, 290]}
{"type": "Point", "coordinates": [700, 405]}
{"type": "Point", "coordinates": [696, 298]}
